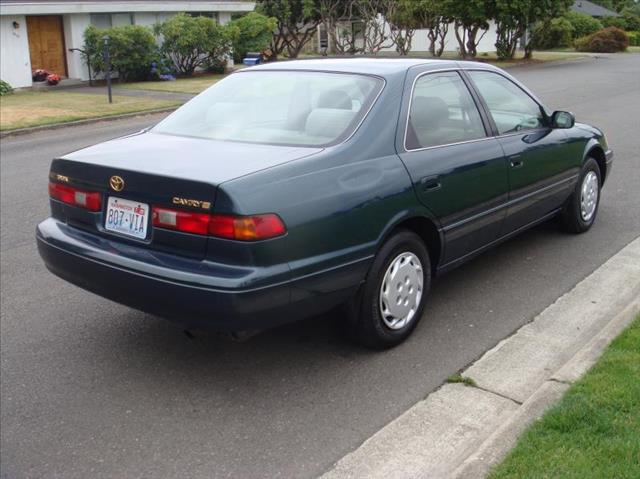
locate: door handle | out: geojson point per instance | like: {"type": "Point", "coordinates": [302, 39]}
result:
{"type": "Point", "coordinates": [430, 183]}
{"type": "Point", "coordinates": [516, 162]}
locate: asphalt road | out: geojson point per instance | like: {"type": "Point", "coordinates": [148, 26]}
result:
{"type": "Point", "coordinates": [93, 389]}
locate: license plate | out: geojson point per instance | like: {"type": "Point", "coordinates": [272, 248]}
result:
{"type": "Point", "coordinates": [127, 217]}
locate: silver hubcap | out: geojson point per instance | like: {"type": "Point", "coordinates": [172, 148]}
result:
{"type": "Point", "coordinates": [401, 290]}
{"type": "Point", "coordinates": [589, 196]}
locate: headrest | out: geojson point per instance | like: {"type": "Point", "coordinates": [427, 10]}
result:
{"type": "Point", "coordinates": [328, 122]}
{"type": "Point", "coordinates": [338, 99]}
{"type": "Point", "coordinates": [428, 111]}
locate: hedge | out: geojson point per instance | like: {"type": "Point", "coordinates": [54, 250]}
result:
{"type": "Point", "coordinates": [608, 40]}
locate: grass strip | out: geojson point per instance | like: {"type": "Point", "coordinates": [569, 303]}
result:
{"type": "Point", "coordinates": [594, 431]}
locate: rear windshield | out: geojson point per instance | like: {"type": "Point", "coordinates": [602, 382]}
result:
{"type": "Point", "coordinates": [283, 107]}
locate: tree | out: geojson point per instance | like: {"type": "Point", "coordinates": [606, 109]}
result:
{"type": "Point", "coordinates": [194, 42]}
{"type": "Point", "coordinates": [254, 34]}
{"type": "Point", "coordinates": [376, 30]}
{"type": "Point", "coordinates": [337, 17]}
{"type": "Point", "coordinates": [544, 11]}
{"type": "Point", "coordinates": [616, 5]}
{"type": "Point", "coordinates": [432, 15]}
{"type": "Point", "coordinates": [471, 18]}
{"type": "Point", "coordinates": [514, 17]}
{"type": "Point", "coordinates": [297, 22]}
{"type": "Point", "coordinates": [404, 19]}
{"type": "Point", "coordinates": [583, 25]}
{"type": "Point", "coordinates": [551, 33]}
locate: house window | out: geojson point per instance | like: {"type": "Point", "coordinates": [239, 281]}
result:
{"type": "Point", "coordinates": [213, 15]}
{"type": "Point", "coordinates": [120, 19]}
{"type": "Point", "coordinates": [101, 20]}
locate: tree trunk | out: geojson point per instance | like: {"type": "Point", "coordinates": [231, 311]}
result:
{"type": "Point", "coordinates": [461, 37]}
{"type": "Point", "coordinates": [432, 42]}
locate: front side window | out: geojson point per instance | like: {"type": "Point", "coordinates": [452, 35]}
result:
{"type": "Point", "coordinates": [442, 112]}
{"type": "Point", "coordinates": [277, 107]}
{"type": "Point", "coordinates": [511, 108]}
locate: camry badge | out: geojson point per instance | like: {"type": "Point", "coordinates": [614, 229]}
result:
{"type": "Point", "coordinates": [116, 183]}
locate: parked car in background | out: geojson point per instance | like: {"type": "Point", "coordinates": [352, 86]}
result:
{"type": "Point", "coordinates": [289, 189]}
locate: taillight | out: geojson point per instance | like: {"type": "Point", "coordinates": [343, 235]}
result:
{"type": "Point", "coordinates": [197, 223]}
{"type": "Point", "coordinates": [243, 228]}
{"type": "Point", "coordinates": [247, 228]}
{"type": "Point", "coordinates": [90, 200]}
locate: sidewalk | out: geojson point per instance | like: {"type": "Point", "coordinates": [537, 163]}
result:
{"type": "Point", "coordinates": [462, 431]}
{"type": "Point", "coordinates": [155, 94]}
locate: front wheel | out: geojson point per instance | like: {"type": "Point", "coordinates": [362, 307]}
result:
{"type": "Point", "coordinates": [581, 209]}
{"type": "Point", "coordinates": [393, 297]}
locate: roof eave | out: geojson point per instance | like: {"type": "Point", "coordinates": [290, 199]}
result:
{"type": "Point", "coordinates": [59, 8]}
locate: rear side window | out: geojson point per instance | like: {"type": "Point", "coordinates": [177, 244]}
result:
{"type": "Point", "coordinates": [442, 112]}
{"type": "Point", "coordinates": [511, 108]}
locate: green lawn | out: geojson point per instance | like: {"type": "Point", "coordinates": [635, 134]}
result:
{"type": "Point", "coordinates": [29, 108]}
{"type": "Point", "coordinates": [594, 432]}
{"type": "Point", "coordinates": [182, 85]}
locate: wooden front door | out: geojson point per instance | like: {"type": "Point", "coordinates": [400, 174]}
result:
{"type": "Point", "coordinates": [46, 44]}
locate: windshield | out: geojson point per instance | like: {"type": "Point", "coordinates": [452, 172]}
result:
{"type": "Point", "coordinates": [277, 107]}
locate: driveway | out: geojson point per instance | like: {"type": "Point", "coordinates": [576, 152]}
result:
{"type": "Point", "coordinates": [93, 389]}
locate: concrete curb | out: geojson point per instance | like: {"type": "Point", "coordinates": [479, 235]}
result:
{"type": "Point", "coordinates": [463, 431]}
{"type": "Point", "coordinates": [88, 121]}
{"type": "Point", "coordinates": [496, 447]}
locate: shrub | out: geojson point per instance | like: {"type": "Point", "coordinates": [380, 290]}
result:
{"type": "Point", "coordinates": [132, 49]}
{"type": "Point", "coordinates": [618, 22]}
{"type": "Point", "coordinates": [5, 88]}
{"type": "Point", "coordinates": [553, 33]}
{"type": "Point", "coordinates": [255, 32]}
{"type": "Point", "coordinates": [634, 38]}
{"type": "Point", "coordinates": [582, 24]}
{"type": "Point", "coordinates": [608, 40]}
{"type": "Point", "coordinates": [195, 42]}
{"type": "Point", "coordinates": [632, 19]}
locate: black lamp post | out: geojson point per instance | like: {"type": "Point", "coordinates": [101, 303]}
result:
{"type": "Point", "coordinates": [107, 64]}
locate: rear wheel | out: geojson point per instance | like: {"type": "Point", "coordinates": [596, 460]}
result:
{"type": "Point", "coordinates": [581, 209]}
{"type": "Point", "coordinates": [393, 297]}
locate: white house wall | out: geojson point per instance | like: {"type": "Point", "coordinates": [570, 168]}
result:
{"type": "Point", "coordinates": [15, 63]}
{"type": "Point", "coordinates": [420, 41]}
{"type": "Point", "coordinates": [74, 26]}
{"type": "Point", "coordinates": [147, 19]}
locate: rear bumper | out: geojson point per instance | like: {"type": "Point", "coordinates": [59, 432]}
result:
{"type": "Point", "coordinates": [194, 293]}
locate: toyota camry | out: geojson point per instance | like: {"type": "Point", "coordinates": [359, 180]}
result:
{"type": "Point", "coordinates": [290, 189]}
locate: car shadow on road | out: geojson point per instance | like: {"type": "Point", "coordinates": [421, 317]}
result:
{"type": "Point", "coordinates": [455, 297]}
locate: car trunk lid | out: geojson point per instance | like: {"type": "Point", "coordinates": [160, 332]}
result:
{"type": "Point", "coordinates": [161, 170]}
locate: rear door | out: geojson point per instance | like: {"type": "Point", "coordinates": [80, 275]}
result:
{"type": "Point", "coordinates": [457, 168]}
{"type": "Point", "coordinates": [541, 173]}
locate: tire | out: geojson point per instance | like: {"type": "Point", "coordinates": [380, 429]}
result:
{"type": "Point", "coordinates": [581, 209]}
{"type": "Point", "coordinates": [376, 321]}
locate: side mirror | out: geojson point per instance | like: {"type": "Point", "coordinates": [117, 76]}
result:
{"type": "Point", "coordinates": [562, 119]}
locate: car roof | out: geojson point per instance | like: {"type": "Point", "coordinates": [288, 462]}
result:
{"type": "Point", "coordinates": [373, 66]}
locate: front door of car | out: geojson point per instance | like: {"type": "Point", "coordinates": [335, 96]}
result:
{"type": "Point", "coordinates": [458, 170]}
{"type": "Point", "coordinates": [541, 172]}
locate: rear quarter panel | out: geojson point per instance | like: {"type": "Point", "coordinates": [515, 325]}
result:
{"type": "Point", "coordinates": [337, 204]}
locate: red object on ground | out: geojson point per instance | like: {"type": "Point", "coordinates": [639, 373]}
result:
{"type": "Point", "coordinates": [53, 79]}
